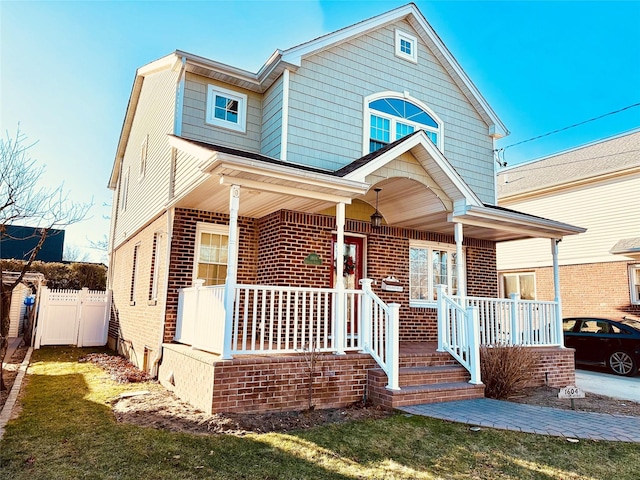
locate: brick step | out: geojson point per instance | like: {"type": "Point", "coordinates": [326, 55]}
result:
{"type": "Point", "coordinates": [427, 360]}
{"type": "Point", "coordinates": [433, 374]}
{"type": "Point", "coordinates": [417, 394]}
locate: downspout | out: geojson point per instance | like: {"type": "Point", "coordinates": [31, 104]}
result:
{"type": "Point", "coordinates": [158, 357]}
{"type": "Point", "coordinates": [177, 130]}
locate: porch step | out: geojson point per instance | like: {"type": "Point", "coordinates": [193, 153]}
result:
{"type": "Point", "coordinates": [423, 384]}
{"type": "Point", "coordinates": [430, 359]}
{"type": "Point", "coordinates": [411, 376]}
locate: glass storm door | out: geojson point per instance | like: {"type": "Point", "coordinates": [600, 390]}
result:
{"type": "Point", "coordinates": [352, 263]}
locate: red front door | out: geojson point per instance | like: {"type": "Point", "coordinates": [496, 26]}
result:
{"type": "Point", "coordinates": [352, 259]}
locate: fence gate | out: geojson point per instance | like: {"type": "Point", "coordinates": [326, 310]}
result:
{"type": "Point", "coordinates": [73, 317]}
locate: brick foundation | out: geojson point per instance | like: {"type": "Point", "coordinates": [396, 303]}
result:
{"type": "Point", "coordinates": [556, 367]}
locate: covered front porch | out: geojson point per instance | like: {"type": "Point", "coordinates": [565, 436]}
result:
{"type": "Point", "coordinates": [284, 315]}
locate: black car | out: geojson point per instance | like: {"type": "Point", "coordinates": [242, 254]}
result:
{"type": "Point", "coordinates": [601, 341]}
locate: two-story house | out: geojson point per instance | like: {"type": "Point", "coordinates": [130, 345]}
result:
{"type": "Point", "coordinates": [339, 204]}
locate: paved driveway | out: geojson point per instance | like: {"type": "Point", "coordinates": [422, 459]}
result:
{"type": "Point", "coordinates": [624, 388]}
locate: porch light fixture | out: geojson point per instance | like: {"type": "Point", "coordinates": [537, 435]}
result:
{"type": "Point", "coordinates": [376, 218]}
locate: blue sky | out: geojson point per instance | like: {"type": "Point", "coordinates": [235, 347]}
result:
{"type": "Point", "coordinates": [67, 69]}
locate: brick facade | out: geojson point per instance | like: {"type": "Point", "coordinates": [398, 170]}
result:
{"type": "Point", "coordinates": [135, 326]}
{"type": "Point", "coordinates": [593, 289]}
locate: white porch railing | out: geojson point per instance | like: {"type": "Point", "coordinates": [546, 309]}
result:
{"type": "Point", "coordinates": [458, 333]}
{"type": "Point", "coordinates": [513, 321]}
{"type": "Point", "coordinates": [280, 320]}
{"type": "Point", "coordinates": [464, 325]}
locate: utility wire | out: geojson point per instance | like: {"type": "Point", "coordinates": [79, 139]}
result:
{"type": "Point", "coordinates": [568, 127]}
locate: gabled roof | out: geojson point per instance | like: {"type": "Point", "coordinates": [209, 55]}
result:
{"type": "Point", "coordinates": [596, 161]}
{"type": "Point", "coordinates": [292, 58]}
{"type": "Point", "coordinates": [280, 183]}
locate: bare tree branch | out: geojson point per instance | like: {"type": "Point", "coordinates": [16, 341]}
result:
{"type": "Point", "coordinates": [22, 202]}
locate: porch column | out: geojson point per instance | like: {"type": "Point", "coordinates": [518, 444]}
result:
{"type": "Point", "coordinates": [462, 282]}
{"type": "Point", "coordinates": [340, 329]}
{"type": "Point", "coordinates": [232, 270]}
{"type": "Point", "coordinates": [556, 288]}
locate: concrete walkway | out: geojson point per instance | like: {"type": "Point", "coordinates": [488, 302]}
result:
{"type": "Point", "coordinates": [503, 415]}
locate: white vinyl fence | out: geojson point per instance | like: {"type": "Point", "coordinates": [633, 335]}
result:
{"type": "Point", "coordinates": [73, 317]}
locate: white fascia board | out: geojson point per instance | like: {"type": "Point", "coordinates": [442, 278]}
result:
{"type": "Point", "coordinates": [284, 189]}
{"type": "Point", "coordinates": [226, 161]}
{"type": "Point", "coordinates": [294, 55]}
{"type": "Point", "coordinates": [127, 123]}
{"type": "Point", "coordinates": [168, 62]}
{"type": "Point", "coordinates": [418, 139]}
{"type": "Point", "coordinates": [475, 215]}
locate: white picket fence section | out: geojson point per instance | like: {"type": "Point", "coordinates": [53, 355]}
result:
{"type": "Point", "coordinates": [73, 317]}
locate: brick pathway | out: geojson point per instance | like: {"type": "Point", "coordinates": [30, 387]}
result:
{"type": "Point", "coordinates": [485, 412]}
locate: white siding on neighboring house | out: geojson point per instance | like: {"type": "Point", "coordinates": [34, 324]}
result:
{"type": "Point", "coordinates": [326, 105]}
{"type": "Point", "coordinates": [607, 209]}
{"type": "Point", "coordinates": [272, 120]}
{"type": "Point", "coordinates": [147, 195]}
{"type": "Point", "coordinates": [194, 124]}
{"type": "Point", "coordinates": [17, 308]}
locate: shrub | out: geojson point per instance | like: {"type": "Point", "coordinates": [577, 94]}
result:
{"type": "Point", "coordinates": [72, 276]}
{"type": "Point", "coordinates": [506, 369]}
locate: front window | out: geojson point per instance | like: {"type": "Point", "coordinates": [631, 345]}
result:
{"type": "Point", "coordinates": [226, 108]}
{"type": "Point", "coordinates": [523, 284]}
{"type": "Point", "coordinates": [431, 265]}
{"type": "Point", "coordinates": [211, 253]}
{"type": "Point", "coordinates": [391, 119]}
{"type": "Point", "coordinates": [634, 283]}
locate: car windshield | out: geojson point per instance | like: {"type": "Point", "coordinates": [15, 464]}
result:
{"type": "Point", "coordinates": [631, 323]}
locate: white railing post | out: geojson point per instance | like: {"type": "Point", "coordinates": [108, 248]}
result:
{"type": "Point", "coordinates": [474, 344]}
{"type": "Point", "coordinates": [365, 315]}
{"type": "Point", "coordinates": [82, 298]}
{"type": "Point", "coordinates": [441, 291]}
{"type": "Point", "coordinates": [556, 288]}
{"type": "Point", "coordinates": [232, 265]}
{"type": "Point", "coordinates": [393, 347]}
{"type": "Point", "coordinates": [341, 310]}
{"type": "Point", "coordinates": [515, 310]}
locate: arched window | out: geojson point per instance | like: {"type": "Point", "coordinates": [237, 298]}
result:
{"type": "Point", "coordinates": [394, 117]}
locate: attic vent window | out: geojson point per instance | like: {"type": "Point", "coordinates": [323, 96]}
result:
{"type": "Point", "coordinates": [226, 108]}
{"type": "Point", "coordinates": [406, 46]}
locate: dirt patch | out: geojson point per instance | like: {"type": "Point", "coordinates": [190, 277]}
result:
{"type": "Point", "coordinates": [10, 372]}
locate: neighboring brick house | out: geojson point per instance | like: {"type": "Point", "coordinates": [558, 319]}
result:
{"type": "Point", "coordinates": [596, 186]}
{"type": "Point", "coordinates": [370, 141]}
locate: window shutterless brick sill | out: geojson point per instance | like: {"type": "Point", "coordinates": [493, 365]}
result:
{"type": "Point", "coordinates": [132, 304]}
{"type": "Point", "coordinates": [152, 303]}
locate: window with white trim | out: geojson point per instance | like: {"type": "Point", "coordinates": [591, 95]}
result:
{"type": "Point", "coordinates": [431, 264]}
{"type": "Point", "coordinates": [153, 280]}
{"type": "Point", "coordinates": [634, 283]}
{"type": "Point", "coordinates": [124, 191]}
{"type": "Point", "coordinates": [134, 274]}
{"type": "Point", "coordinates": [406, 46]}
{"type": "Point", "coordinates": [144, 150]}
{"type": "Point", "coordinates": [522, 283]}
{"type": "Point", "coordinates": [212, 253]}
{"type": "Point", "coordinates": [226, 108]}
{"type": "Point", "coordinates": [394, 117]}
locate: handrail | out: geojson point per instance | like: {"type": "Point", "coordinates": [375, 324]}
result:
{"type": "Point", "coordinates": [381, 333]}
{"type": "Point", "coordinates": [458, 333]}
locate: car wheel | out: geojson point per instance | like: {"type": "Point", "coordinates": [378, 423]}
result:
{"type": "Point", "coordinates": [621, 363]}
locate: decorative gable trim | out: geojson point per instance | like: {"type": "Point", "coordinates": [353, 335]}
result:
{"type": "Point", "coordinates": [434, 163]}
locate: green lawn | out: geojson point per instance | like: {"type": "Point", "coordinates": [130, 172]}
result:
{"type": "Point", "coordinates": [67, 431]}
